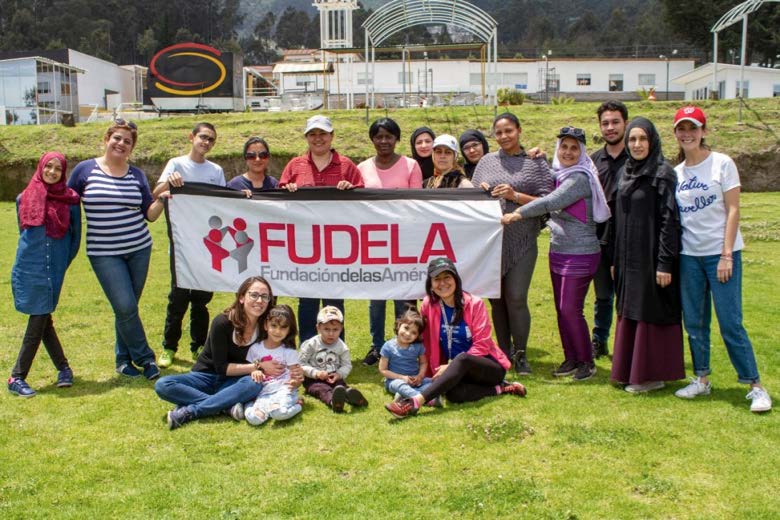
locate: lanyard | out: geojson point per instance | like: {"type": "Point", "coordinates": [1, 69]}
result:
{"type": "Point", "coordinates": [448, 328]}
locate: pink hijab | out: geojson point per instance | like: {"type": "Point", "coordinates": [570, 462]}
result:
{"type": "Point", "coordinates": [47, 204]}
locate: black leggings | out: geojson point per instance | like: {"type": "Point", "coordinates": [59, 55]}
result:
{"type": "Point", "coordinates": [467, 378]}
{"type": "Point", "coordinates": [40, 327]}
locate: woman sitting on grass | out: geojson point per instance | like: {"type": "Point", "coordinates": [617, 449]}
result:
{"type": "Point", "coordinates": [465, 364]}
{"type": "Point", "coordinates": [222, 377]}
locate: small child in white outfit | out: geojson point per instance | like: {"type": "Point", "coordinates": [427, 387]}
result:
{"type": "Point", "coordinates": [277, 400]}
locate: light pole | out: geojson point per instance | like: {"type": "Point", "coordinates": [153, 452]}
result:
{"type": "Point", "coordinates": [547, 76]}
{"type": "Point", "coordinates": [665, 57]}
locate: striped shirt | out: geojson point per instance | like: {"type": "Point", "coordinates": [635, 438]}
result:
{"type": "Point", "coordinates": [115, 208]}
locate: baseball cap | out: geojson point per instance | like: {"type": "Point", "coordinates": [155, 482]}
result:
{"type": "Point", "coordinates": [448, 141]}
{"type": "Point", "coordinates": [329, 313]}
{"type": "Point", "coordinates": [321, 122]}
{"type": "Point", "coordinates": [690, 113]}
{"type": "Point", "coordinates": [440, 265]}
{"type": "Point", "coordinates": [575, 133]}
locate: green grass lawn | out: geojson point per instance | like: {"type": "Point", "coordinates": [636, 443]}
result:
{"type": "Point", "coordinates": [101, 449]}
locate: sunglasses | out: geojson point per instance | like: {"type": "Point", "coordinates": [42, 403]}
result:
{"type": "Point", "coordinates": [254, 296]}
{"type": "Point", "coordinates": [123, 122]}
{"type": "Point", "coordinates": [574, 132]}
{"type": "Point", "coordinates": [251, 156]}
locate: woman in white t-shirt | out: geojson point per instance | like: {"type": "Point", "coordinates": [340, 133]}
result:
{"type": "Point", "coordinates": [710, 262]}
{"type": "Point", "coordinates": [386, 170]}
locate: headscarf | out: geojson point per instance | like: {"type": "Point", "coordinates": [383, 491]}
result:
{"type": "Point", "coordinates": [467, 137]}
{"type": "Point", "coordinates": [584, 165]}
{"type": "Point", "coordinates": [47, 204]}
{"type": "Point", "coordinates": [654, 165]}
{"type": "Point", "coordinates": [426, 163]}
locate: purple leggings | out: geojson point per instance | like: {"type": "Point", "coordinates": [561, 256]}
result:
{"type": "Point", "coordinates": [569, 290]}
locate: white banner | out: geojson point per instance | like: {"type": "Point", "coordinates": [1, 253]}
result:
{"type": "Point", "coordinates": [326, 243]}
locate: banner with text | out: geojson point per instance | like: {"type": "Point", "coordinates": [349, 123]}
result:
{"type": "Point", "coordinates": [327, 243]}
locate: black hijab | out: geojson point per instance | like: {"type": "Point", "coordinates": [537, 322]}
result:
{"type": "Point", "coordinates": [653, 166]}
{"type": "Point", "coordinates": [467, 137]}
{"type": "Point", "coordinates": [426, 163]}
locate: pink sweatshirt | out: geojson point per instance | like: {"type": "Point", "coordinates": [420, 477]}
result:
{"type": "Point", "coordinates": [476, 317]}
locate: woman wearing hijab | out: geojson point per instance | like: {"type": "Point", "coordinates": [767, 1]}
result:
{"type": "Point", "coordinates": [473, 146]}
{"type": "Point", "coordinates": [648, 338]}
{"type": "Point", "coordinates": [576, 205]}
{"type": "Point", "coordinates": [422, 150]}
{"type": "Point", "coordinates": [49, 235]}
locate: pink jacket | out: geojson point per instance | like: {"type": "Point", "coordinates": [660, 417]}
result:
{"type": "Point", "coordinates": [476, 317]}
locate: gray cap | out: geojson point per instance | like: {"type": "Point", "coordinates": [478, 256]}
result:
{"type": "Point", "coordinates": [321, 122]}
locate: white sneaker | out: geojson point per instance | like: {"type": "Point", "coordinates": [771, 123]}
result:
{"type": "Point", "coordinates": [237, 411]}
{"type": "Point", "coordinates": [644, 387]}
{"type": "Point", "coordinates": [761, 400]}
{"type": "Point", "coordinates": [696, 387]}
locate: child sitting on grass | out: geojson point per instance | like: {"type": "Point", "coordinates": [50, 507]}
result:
{"type": "Point", "coordinates": [277, 400]}
{"type": "Point", "coordinates": [326, 363]}
{"type": "Point", "coordinates": [402, 359]}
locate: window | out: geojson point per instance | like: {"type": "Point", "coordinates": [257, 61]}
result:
{"type": "Point", "coordinates": [404, 77]}
{"type": "Point", "coordinates": [361, 78]}
{"type": "Point", "coordinates": [745, 90]}
{"type": "Point", "coordinates": [722, 89]}
{"type": "Point", "coordinates": [616, 83]}
{"type": "Point", "coordinates": [302, 81]}
{"type": "Point", "coordinates": [776, 90]}
{"type": "Point", "coordinates": [583, 80]}
{"type": "Point", "coordinates": [43, 87]}
{"type": "Point", "coordinates": [647, 80]}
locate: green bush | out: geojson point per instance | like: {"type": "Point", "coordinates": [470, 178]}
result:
{"type": "Point", "coordinates": [510, 96]}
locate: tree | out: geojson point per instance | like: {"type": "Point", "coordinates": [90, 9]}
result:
{"type": "Point", "coordinates": [292, 29]}
{"type": "Point", "coordinates": [147, 44]}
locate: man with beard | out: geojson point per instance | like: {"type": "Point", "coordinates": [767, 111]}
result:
{"type": "Point", "coordinates": [609, 160]}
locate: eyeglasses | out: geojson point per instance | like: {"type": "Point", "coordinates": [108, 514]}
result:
{"type": "Point", "coordinates": [207, 138]}
{"type": "Point", "coordinates": [574, 132]}
{"type": "Point", "coordinates": [472, 146]}
{"type": "Point", "coordinates": [122, 122]}
{"type": "Point", "coordinates": [251, 156]}
{"type": "Point", "coordinates": [254, 296]}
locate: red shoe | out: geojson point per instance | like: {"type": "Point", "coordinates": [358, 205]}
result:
{"type": "Point", "coordinates": [514, 388]}
{"type": "Point", "coordinates": [402, 408]}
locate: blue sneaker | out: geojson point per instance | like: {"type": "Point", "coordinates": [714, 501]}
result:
{"type": "Point", "coordinates": [18, 386]}
{"type": "Point", "coordinates": [127, 370]}
{"type": "Point", "coordinates": [65, 378]}
{"type": "Point", "coordinates": [151, 371]}
{"type": "Point", "coordinates": [179, 416]}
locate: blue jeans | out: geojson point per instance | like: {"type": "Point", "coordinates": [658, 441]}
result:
{"type": "Point", "coordinates": [605, 292]}
{"type": "Point", "coordinates": [206, 393]}
{"type": "Point", "coordinates": [376, 320]}
{"type": "Point", "coordinates": [307, 316]}
{"type": "Point", "coordinates": [698, 285]}
{"type": "Point", "coordinates": [122, 278]}
{"type": "Point", "coordinates": [398, 386]}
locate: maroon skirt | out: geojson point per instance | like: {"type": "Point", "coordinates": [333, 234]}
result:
{"type": "Point", "coordinates": [647, 352]}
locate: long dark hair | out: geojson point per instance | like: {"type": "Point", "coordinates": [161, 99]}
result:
{"type": "Point", "coordinates": [235, 312]}
{"type": "Point", "coordinates": [284, 316]}
{"type": "Point", "coordinates": [458, 296]}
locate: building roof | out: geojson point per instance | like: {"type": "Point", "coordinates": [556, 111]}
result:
{"type": "Point", "coordinates": [706, 71]}
{"type": "Point", "coordinates": [303, 68]}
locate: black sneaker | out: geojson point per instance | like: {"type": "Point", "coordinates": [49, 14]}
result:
{"type": "Point", "coordinates": [372, 358]}
{"type": "Point", "coordinates": [584, 371]}
{"type": "Point", "coordinates": [151, 371]}
{"type": "Point", "coordinates": [355, 398]}
{"type": "Point", "coordinates": [65, 378]}
{"type": "Point", "coordinates": [521, 364]}
{"type": "Point", "coordinates": [338, 399]}
{"type": "Point", "coordinates": [600, 348]}
{"type": "Point", "coordinates": [567, 368]}
{"type": "Point", "coordinates": [179, 417]}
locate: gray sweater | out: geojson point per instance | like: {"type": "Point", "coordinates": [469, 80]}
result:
{"type": "Point", "coordinates": [569, 234]}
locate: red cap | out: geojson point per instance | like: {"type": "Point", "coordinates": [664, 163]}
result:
{"type": "Point", "coordinates": [690, 113]}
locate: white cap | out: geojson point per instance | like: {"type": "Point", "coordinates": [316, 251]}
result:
{"type": "Point", "coordinates": [448, 141]}
{"type": "Point", "coordinates": [321, 122]}
{"type": "Point", "coordinates": [329, 313]}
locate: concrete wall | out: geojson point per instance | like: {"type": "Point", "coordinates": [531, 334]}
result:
{"type": "Point", "coordinates": [100, 76]}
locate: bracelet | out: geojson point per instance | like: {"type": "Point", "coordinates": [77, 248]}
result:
{"type": "Point", "coordinates": [726, 258]}
{"type": "Point", "coordinates": [257, 364]}
{"type": "Point", "coordinates": [517, 197]}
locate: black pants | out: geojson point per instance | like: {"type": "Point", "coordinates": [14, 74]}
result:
{"type": "Point", "coordinates": [178, 301]}
{"type": "Point", "coordinates": [40, 327]}
{"type": "Point", "coordinates": [322, 390]}
{"type": "Point", "coordinates": [467, 378]}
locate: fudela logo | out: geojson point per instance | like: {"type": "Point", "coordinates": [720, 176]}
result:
{"type": "Point", "coordinates": [188, 69]}
{"type": "Point", "coordinates": [237, 246]}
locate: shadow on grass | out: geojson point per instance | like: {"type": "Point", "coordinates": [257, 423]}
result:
{"type": "Point", "coordinates": [82, 387]}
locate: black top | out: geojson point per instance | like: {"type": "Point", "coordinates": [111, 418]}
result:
{"type": "Point", "coordinates": [220, 350]}
{"type": "Point", "coordinates": [609, 170]}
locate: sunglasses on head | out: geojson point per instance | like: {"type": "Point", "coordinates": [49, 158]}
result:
{"type": "Point", "coordinates": [251, 156]}
{"type": "Point", "coordinates": [123, 122]}
{"type": "Point", "coordinates": [574, 132]}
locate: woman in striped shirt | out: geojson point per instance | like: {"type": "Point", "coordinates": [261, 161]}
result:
{"type": "Point", "coordinates": [117, 199]}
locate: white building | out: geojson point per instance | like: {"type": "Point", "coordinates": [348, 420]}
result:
{"type": "Point", "coordinates": [760, 82]}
